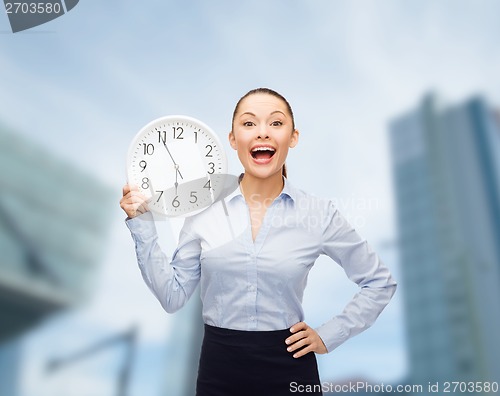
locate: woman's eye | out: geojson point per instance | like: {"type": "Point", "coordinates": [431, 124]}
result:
{"type": "Point", "coordinates": [276, 123]}
{"type": "Point", "coordinates": [248, 123]}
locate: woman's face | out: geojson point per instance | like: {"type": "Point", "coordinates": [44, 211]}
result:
{"type": "Point", "coordinates": [262, 134]}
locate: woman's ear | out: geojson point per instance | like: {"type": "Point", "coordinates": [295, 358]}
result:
{"type": "Point", "coordinates": [232, 140]}
{"type": "Point", "coordinates": [295, 138]}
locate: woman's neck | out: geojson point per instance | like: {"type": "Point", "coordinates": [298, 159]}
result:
{"type": "Point", "coordinates": [259, 191]}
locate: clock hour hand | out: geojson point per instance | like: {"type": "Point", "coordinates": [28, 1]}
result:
{"type": "Point", "coordinates": [179, 172]}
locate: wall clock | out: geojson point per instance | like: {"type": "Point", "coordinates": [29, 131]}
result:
{"type": "Point", "coordinates": [180, 163]}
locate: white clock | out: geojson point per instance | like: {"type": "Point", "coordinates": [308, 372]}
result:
{"type": "Point", "coordinates": [179, 163]}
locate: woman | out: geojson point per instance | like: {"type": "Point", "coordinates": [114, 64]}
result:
{"type": "Point", "coordinates": [253, 269]}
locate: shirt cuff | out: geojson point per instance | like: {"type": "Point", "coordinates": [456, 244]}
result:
{"type": "Point", "coordinates": [142, 227]}
{"type": "Point", "coordinates": [333, 334]}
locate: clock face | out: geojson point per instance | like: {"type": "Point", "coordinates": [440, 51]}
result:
{"type": "Point", "coordinates": [179, 163]}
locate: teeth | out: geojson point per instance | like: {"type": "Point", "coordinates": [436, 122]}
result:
{"type": "Point", "coordinates": [263, 149]}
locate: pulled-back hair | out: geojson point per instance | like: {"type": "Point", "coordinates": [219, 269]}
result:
{"type": "Point", "coordinates": [271, 92]}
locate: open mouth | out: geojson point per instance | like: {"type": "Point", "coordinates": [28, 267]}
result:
{"type": "Point", "coordinates": [263, 153]}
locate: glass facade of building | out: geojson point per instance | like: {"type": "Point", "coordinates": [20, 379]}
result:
{"type": "Point", "coordinates": [447, 176]}
{"type": "Point", "coordinates": [52, 223]}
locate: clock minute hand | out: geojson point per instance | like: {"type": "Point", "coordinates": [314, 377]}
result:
{"type": "Point", "coordinates": [177, 171]}
{"type": "Point", "coordinates": [169, 153]}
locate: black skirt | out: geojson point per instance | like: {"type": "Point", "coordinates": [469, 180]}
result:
{"type": "Point", "coordinates": [253, 363]}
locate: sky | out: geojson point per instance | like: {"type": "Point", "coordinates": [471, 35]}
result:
{"type": "Point", "coordinates": [83, 85]}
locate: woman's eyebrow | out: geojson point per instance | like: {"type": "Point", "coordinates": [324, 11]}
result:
{"type": "Point", "coordinates": [249, 113]}
{"type": "Point", "coordinates": [278, 111]}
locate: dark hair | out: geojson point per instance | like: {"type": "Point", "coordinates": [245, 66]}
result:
{"type": "Point", "coordinates": [271, 92]}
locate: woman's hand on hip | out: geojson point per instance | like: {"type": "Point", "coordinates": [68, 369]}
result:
{"type": "Point", "coordinates": [133, 202]}
{"type": "Point", "coordinates": [306, 338]}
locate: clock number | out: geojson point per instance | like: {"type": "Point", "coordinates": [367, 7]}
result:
{"type": "Point", "coordinates": [196, 136]}
{"type": "Point", "coordinates": [210, 148]}
{"type": "Point", "coordinates": [178, 132]}
{"type": "Point", "coordinates": [207, 185]}
{"type": "Point", "coordinates": [175, 202]}
{"type": "Point", "coordinates": [159, 196]}
{"type": "Point", "coordinates": [143, 165]}
{"type": "Point", "coordinates": [149, 148]}
{"type": "Point", "coordinates": [212, 168]}
{"type": "Point", "coordinates": [193, 196]}
{"type": "Point", "coordinates": [145, 183]}
{"type": "Point", "coordinates": [162, 137]}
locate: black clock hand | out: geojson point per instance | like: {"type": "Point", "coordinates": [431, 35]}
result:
{"type": "Point", "coordinates": [176, 184]}
{"type": "Point", "coordinates": [175, 163]}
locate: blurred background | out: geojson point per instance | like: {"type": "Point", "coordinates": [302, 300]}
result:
{"type": "Point", "coordinates": [396, 104]}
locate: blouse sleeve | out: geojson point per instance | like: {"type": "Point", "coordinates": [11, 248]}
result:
{"type": "Point", "coordinates": [362, 265]}
{"type": "Point", "coordinates": [171, 281]}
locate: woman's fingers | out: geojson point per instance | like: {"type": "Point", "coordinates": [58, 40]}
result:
{"type": "Point", "coordinates": [306, 338]}
{"type": "Point", "coordinates": [126, 189]}
{"type": "Point", "coordinates": [298, 344]}
{"type": "Point", "coordinates": [298, 330]}
{"type": "Point", "coordinates": [133, 202]}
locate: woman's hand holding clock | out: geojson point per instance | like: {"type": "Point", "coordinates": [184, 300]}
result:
{"type": "Point", "coordinates": [133, 202]}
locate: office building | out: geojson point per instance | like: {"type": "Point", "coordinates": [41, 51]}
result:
{"type": "Point", "coordinates": [446, 168]}
{"type": "Point", "coordinates": [53, 220]}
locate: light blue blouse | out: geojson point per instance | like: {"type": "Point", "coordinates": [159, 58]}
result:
{"type": "Point", "coordinates": [258, 285]}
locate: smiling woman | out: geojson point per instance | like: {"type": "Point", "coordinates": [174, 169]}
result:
{"type": "Point", "coordinates": [277, 120]}
{"type": "Point", "coordinates": [253, 268]}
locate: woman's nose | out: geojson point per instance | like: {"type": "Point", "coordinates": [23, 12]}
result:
{"type": "Point", "coordinates": [263, 133]}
